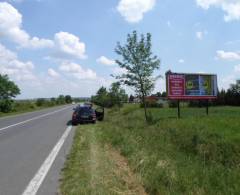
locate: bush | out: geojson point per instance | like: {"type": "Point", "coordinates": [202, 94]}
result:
{"type": "Point", "coordinates": [40, 102]}
{"type": "Point", "coordinates": [6, 105]}
{"type": "Point", "coordinates": [172, 103]}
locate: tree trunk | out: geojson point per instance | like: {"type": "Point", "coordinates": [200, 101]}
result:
{"type": "Point", "coordinates": [145, 106]}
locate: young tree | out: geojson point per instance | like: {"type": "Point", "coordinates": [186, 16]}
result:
{"type": "Point", "coordinates": [61, 99]}
{"type": "Point", "coordinates": [117, 95]}
{"type": "Point", "coordinates": [8, 90]}
{"type": "Point", "coordinates": [139, 63]}
{"type": "Point", "coordinates": [101, 98]}
{"type": "Point", "coordinates": [68, 99]}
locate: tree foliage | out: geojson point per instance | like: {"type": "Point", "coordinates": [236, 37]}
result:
{"type": "Point", "coordinates": [68, 99]}
{"type": "Point", "coordinates": [231, 96]}
{"type": "Point", "coordinates": [114, 97]}
{"type": "Point", "coordinates": [8, 90]}
{"type": "Point", "coordinates": [140, 63]}
{"type": "Point", "coordinates": [61, 99]}
{"type": "Point", "coordinates": [117, 94]}
{"type": "Point", "coordinates": [101, 98]}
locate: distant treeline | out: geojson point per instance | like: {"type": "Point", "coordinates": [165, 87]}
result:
{"type": "Point", "coordinates": [229, 97]}
{"type": "Point", "coordinates": [28, 105]}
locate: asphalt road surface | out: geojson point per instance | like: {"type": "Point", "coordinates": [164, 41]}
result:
{"type": "Point", "coordinates": [33, 148]}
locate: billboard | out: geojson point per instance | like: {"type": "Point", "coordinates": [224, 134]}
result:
{"type": "Point", "coordinates": [191, 86]}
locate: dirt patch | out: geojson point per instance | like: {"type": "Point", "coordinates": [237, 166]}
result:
{"type": "Point", "coordinates": [124, 172]}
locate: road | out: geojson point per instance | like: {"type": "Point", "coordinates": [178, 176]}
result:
{"type": "Point", "coordinates": [33, 148]}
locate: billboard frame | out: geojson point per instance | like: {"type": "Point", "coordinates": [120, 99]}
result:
{"type": "Point", "coordinates": [184, 97]}
{"type": "Point", "coordinates": [189, 97]}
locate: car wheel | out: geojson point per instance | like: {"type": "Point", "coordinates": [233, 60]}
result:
{"type": "Point", "coordinates": [74, 123]}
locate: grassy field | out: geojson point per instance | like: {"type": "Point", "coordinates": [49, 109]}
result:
{"type": "Point", "coordinates": [196, 154]}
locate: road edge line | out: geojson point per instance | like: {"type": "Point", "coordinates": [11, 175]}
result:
{"type": "Point", "coordinates": [39, 177]}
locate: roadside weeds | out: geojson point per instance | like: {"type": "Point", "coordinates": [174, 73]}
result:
{"type": "Point", "coordinates": [96, 168]}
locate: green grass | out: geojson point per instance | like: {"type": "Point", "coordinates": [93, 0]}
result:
{"type": "Point", "coordinates": [196, 154]}
{"type": "Point", "coordinates": [91, 167]}
{"type": "Point", "coordinates": [24, 108]}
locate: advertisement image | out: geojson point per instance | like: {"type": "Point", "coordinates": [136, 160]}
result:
{"type": "Point", "coordinates": [191, 86]}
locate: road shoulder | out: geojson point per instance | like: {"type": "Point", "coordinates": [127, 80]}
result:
{"type": "Point", "coordinates": [96, 168]}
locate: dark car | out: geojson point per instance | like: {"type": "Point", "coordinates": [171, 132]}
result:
{"type": "Point", "coordinates": [83, 114]}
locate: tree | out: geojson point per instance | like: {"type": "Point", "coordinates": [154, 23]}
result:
{"type": "Point", "coordinates": [68, 99]}
{"type": "Point", "coordinates": [164, 94]}
{"type": "Point", "coordinates": [41, 102]}
{"type": "Point", "coordinates": [117, 94]}
{"type": "Point", "coordinates": [158, 94]}
{"type": "Point", "coordinates": [61, 99]}
{"type": "Point", "coordinates": [8, 90]}
{"type": "Point", "coordinates": [139, 63]}
{"type": "Point", "coordinates": [101, 98]}
{"type": "Point", "coordinates": [131, 99]}
{"type": "Point", "coordinates": [233, 94]}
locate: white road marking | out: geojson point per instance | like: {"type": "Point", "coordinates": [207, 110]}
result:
{"type": "Point", "coordinates": [31, 119]}
{"type": "Point", "coordinates": [37, 180]}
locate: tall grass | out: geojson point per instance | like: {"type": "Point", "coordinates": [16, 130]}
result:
{"type": "Point", "coordinates": [196, 154]}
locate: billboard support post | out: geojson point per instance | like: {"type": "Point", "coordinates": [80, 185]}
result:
{"type": "Point", "coordinates": [179, 109]}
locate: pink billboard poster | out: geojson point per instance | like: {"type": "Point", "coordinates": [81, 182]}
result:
{"type": "Point", "coordinates": [176, 85]}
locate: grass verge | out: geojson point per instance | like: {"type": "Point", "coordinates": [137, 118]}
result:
{"type": "Point", "coordinates": [196, 154]}
{"type": "Point", "coordinates": [96, 168]}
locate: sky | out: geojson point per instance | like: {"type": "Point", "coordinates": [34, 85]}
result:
{"type": "Point", "coordinates": [52, 47]}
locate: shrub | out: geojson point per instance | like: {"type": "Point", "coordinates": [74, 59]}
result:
{"type": "Point", "coordinates": [172, 103]}
{"type": "Point", "coordinates": [6, 105]}
{"type": "Point", "coordinates": [40, 102]}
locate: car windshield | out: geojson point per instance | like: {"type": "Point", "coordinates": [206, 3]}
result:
{"type": "Point", "coordinates": [85, 110]}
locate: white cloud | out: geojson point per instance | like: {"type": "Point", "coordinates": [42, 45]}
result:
{"type": "Point", "coordinates": [227, 80]}
{"type": "Point", "coordinates": [52, 73]}
{"type": "Point", "coordinates": [230, 7]}
{"type": "Point", "coordinates": [228, 55]}
{"type": "Point", "coordinates": [77, 71]}
{"type": "Point", "coordinates": [11, 28]}
{"type": "Point", "coordinates": [199, 35]}
{"type": "Point", "coordinates": [106, 61]}
{"type": "Point", "coordinates": [133, 10]}
{"type": "Point", "coordinates": [16, 69]}
{"type": "Point", "coordinates": [169, 24]}
{"type": "Point", "coordinates": [68, 45]}
{"type": "Point", "coordinates": [64, 45]}
{"type": "Point", "coordinates": [119, 71]}
{"type": "Point", "coordinates": [237, 68]}
{"type": "Point", "coordinates": [181, 61]}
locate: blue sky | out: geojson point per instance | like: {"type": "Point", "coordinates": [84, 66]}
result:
{"type": "Point", "coordinates": [52, 47]}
